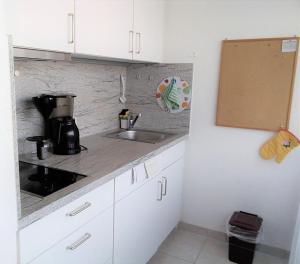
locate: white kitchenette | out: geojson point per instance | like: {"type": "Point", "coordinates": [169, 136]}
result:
{"type": "Point", "coordinates": [124, 195]}
{"type": "Point", "coordinates": [123, 210]}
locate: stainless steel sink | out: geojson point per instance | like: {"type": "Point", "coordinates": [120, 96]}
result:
{"type": "Point", "coordinates": [146, 136]}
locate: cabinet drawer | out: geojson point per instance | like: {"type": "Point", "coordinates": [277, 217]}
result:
{"type": "Point", "coordinates": [130, 181]}
{"type": "Point", "coordinates": [57, 225]}
{"type": "Point", "coordinates": [172, 154]}
{"type": "Point", "coordinates": [92, 244]}
{"type": "Point", "coordinates": [153, 166]}
{"type": "Point", "coordinates": [163, 160]}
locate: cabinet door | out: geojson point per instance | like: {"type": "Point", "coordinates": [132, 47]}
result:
{"type": "Point", "coordinates": [104, 28]}
{"type": "Point", "coordinates": [170, 207]}
{"type": "Point", "coordinates": [136, 220]}
{"type": "Point", "coordinates": [92, 244]}
{"type": "Point", "coordinates": [130, 181]}
{"type": "Point", "coordinates": [110, 261]}
{"type": "Point", "coordinates": [47, 24]}
{"type": "Point", "coordinates": [148, 30]}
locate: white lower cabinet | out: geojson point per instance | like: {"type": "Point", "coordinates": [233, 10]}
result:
{"type": "Point", "coordinates": [130, 181]}
{"type": "Point", "coordinates": [54, 227]}
{"type": "Point", "coordinates": [170, 206]}
{"type": "Point", "coordinates": [92, 244]}
{"type": "Point", "coordinates": [146, 217]}
{"type": "Point", "coordinates": [136, 219]}
{"type": "Point", "coordinates": [110, 261]}
{"type": "Point", "coordinates": [122, 222]}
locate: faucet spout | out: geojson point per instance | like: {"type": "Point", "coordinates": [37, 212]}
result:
{"type": "Point", "coordinates": [133, 120]}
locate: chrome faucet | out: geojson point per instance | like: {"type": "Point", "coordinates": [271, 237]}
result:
{"type": "Point", "coordinates": [133, 119]}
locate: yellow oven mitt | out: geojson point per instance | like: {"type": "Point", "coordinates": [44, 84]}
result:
{"type": "Point", "coordinates": [279, 146]}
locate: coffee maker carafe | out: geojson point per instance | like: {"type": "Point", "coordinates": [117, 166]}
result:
{"type": "Point", "coordinates": [60, 126]}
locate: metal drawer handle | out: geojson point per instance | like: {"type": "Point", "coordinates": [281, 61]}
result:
{"type": "Point", "coordinates": [79, 209]}
{"type": "Point", "coordinates": [71, 28]}
{"type": "Point", "coordinates": [130, 41]}
{"type": "Point", "coordinates": [147, 174]}
{"type": "Point", "coordinates": [132, 176]}
{"type": "Point", "coordinates": [79, 242]}
{"type": "Point", "coordinates": [160, 190]}
{"type": "Point", "coordinates": [165, 182]}
{"type": "Point", "coordinates": [138, 43]}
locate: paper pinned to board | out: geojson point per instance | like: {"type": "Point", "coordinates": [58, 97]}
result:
{"type": "Point", "coordinates": [289, 45]}
{"type": "Point", "coordinates": [152, 167]}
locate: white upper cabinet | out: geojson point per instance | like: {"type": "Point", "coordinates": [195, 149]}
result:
{"type": "Point", "coordinates": [42, 24]}
{"type": "Point", "coordinates": [148, 30]}
{"type": "Point", "coordinates": [104, 28]}
{"type": "Point", "coordinates": [121, 29]}
{"type": "Point", "coordinates": [116, 29]}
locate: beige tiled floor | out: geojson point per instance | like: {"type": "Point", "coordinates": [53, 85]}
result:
{"type": "Point", "coordinates": [185, 247]}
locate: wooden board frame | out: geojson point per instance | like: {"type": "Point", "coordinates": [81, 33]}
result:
{"type": "Point", "coordinates": [269, 122]}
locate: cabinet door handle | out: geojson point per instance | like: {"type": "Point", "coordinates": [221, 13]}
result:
{"type": "Point", "coordinates": [160, 190]}
{"type": "Point", "coordinates": [165, 184]}
{"type": "Point", "coordinates": [138, 42]}
{"type": "Point", "coordinates": [79, 209]}
{"type": "Point", "coordinates": [133, 177]}
{"type": "Point", "coordinates": [146, 171]}
{"type": "Point", "coordinates": [131, 41]}
{"type": "Point", "coordinates": [71, 28]}
{"type": "Point", "coordinates": [79, 242]}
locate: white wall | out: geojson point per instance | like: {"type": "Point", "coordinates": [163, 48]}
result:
{"type": "Point", "coordinates": [224, 170]}
{"type": "Point", "coordinates": [295, 251]}
{"type": "Point", "coordinates": [8, 205]}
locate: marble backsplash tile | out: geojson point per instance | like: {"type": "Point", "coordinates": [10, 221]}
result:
{"type": "Point", "coordinates": [142, 82]}
{"type": "Point", "coordinates": [97, 87]}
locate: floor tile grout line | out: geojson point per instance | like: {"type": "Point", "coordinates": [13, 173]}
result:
{"type": "Point", "coordinates": [208, 236]}
{"type": "Point", "coordinates": [200, 251]}
{"type": "Point", "coordinates": [175, 257]}
{"type": "Point", "coordinates": [206, 239]}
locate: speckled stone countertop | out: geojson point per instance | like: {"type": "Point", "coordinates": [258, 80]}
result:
{"type": "Point", "coordinates": [105, 159]}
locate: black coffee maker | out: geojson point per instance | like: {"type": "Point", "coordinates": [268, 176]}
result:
{"type": "Point", "coordinates": [60, 126]}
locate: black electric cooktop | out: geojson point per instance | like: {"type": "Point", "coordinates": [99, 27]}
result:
{"type": "Point", "coordinates": [42, 181]}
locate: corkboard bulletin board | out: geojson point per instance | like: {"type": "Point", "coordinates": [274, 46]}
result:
{"type": "Point", "coordinates": [256, 83]}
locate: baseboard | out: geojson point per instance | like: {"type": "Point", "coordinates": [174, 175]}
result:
{"type": "Point", "coordinates": [276, 252]}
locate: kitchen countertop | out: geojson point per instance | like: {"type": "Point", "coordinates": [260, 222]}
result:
{"type": "Point", "coordinates": [105, 159]}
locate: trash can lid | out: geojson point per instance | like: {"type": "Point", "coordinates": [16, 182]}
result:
{"type": "Point", "coordinates": [246, 221]}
